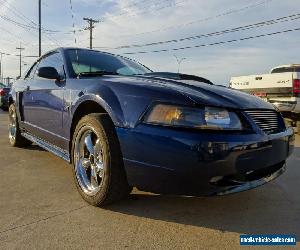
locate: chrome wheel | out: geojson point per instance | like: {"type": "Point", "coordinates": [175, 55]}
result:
{"type": "Point", "coordinates": [89, 162]}
{"type": "Point", "coordinates": [12, 126]}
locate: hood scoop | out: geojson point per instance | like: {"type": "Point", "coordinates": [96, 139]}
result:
{"type": "Point", "coordinates": [178, 76]}
{"type": "Point", "coordinates": [204, 92]}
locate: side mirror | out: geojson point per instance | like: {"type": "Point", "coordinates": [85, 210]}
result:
{"type": "Point", "coordinates": [48, 73]}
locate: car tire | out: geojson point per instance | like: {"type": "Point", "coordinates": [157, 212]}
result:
{"type": "Point", "coordinates": [97, 160]}
{"type": "Point", "coordinates": [14, 132]}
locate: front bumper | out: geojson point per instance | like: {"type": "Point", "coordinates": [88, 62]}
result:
{"type": "Point", "coordinates": [169, 161]}
{"type": "Point", "coordinates": [285, 104]}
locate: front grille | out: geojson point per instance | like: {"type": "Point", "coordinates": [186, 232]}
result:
{"type": "Point", "coordinates": [267, 120]}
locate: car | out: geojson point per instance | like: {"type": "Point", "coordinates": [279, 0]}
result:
{"type": "Point", "coordinates": [122, 125]}
{"type": "Point", "coordinates": [4, 92]}
{"type": "Point", "coordinates": [281, 88]}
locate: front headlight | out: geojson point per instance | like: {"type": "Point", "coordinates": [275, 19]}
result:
{"type": "Point", "coordinates": [202, 118]}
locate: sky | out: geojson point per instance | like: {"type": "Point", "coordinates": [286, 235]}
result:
{"type": "Point", "coordinates": [139, 22]}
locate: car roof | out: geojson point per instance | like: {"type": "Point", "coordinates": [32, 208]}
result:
{"type": "Point", "coordinates": [77, 48]}
{"type": "Point", "coordinates": [61, 49]}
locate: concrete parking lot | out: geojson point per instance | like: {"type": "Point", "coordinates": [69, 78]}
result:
{"type": "Point", "coordinates": [41, 209]}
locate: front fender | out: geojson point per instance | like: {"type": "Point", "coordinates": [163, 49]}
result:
{"type": "Point", "coordinates": [107, 99]}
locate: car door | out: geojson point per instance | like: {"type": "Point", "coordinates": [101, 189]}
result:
{"type": "Point", "coordinates": [43, 102]}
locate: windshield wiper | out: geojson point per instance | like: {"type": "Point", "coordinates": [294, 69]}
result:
{"type": "Point", "coordinates": [96, 73]}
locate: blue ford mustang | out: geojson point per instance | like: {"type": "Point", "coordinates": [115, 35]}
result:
{"type": "Point", "coordinates": [122, 126]}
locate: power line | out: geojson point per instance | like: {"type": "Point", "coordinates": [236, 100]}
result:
{"type": "Point", "coordinates": [213, 44]}
{"type": "Point", "coordinates": [226, 13]}
{"type": "Point", "coordinates": [30, 23]}
{"type": "Point", "coordinates": [218, 33]}
{"type": "Point", "coordinates": [4, 53]}
{"type": "Point", "coordinates": [129, 6]}
{"type": "Point", "coordinates": [12, 9]}
{"type": "Point", "coordinates": [20, 39]}
{"type": "Point", "coordinates": [159, 4]}
{"type": "Point", "coordinates": [9, 54]}
{"type": "Point", "coordinates": [159, 8]}
{"type": "Point", "coordinates": [145, 7]}
{"type": "Point", "coordinates": [14, 35]}
{"type": "Point", "coordinates": [73, 22]}
{"type": "Point", "coordinates": [137, 3]}
{"type": "Point", "coordinates": [26, 26]}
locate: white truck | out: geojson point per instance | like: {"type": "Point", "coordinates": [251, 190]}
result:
{"type": "Point", "coordinates": [281, 88]}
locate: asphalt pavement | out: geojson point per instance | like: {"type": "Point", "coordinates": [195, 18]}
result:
{"type": "Point", "coordinates": [40, 208]}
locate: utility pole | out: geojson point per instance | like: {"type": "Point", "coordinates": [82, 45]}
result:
{"type": "Point", "coordinates": [1, 65]}
{"type": "Point", "coordinates": [8, 81]}
{"type": "Point", "coordinates": [20, 55]}
{"type": "Point", "coordinates": [40, 27]}
{"type": "Point", "coordinates": [1, 57]}
{"type": "Point", "coordinates": [91, 26]}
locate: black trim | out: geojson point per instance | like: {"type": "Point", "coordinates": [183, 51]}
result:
{"type": "Point", "coordinates": [48, 146]}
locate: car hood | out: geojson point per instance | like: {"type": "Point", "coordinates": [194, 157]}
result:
{"type": "Point", "coordinates": [205, 93]}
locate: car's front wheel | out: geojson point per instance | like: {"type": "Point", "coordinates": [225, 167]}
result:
{"type": "Point", "coordinates": [97, 161]}
{"type": "Point", "coordinates": [14, 132]}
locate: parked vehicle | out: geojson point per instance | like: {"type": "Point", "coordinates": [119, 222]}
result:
{"type": "Point", "coordinates": [281, 88]}
{"type": "Point", "coordinates": [4, 92]}
{"type": "Point", "coordinates": [122, 126]}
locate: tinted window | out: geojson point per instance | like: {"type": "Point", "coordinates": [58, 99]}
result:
{"type": "Point", "coordinates": [54, 60]}
{"type": "Point", "coordinates": [92, 61]}
{"type": "Point", "coordinates": [286, 69]}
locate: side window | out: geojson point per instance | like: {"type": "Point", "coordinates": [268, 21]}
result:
{"type": "Point", "coordinates": [54, 60]}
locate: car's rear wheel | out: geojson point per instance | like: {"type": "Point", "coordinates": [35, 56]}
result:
{"type": "Point", "coordinates": [14, 133]}
{"type": "Point", "coordinates": [98, 166]}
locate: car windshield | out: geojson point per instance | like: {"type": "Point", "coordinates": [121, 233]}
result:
{"type": "Point", "coordinates": [84, 62]}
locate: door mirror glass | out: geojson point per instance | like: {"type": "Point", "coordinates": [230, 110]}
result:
{"type": "Point", "coordinates": [48, 73]}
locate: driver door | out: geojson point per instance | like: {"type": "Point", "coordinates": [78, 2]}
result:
{"type": "Point", "coordinates": [43, 102]}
